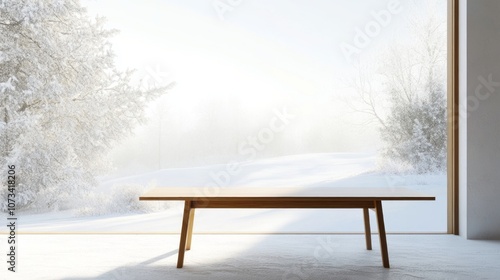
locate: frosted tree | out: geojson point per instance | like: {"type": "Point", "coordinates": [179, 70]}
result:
{"type": "Point", "coordinates": [63, 102]}
{"type": "Point", "coordinates": [413, 74]}
{"type": "Point", "coordinates": [415, 130]}
{"type": "Point", "coordinates": [415, 133]}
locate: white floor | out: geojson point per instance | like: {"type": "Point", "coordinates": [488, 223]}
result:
{"type": "Point", "coordinates": [220, 257]}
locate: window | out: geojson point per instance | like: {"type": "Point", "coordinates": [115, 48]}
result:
{"type": "Point", "coordinates": [330, 93]}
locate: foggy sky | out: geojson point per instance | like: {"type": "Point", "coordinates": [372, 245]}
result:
{"type": "Point", "coordinates": [234, 74]}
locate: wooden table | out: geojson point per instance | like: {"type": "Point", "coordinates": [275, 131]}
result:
{"type": "Point", "coordinates": [281, 197]}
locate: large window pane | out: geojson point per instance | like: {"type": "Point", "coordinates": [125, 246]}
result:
{"type": "Point", "coordinates": [275, 93]}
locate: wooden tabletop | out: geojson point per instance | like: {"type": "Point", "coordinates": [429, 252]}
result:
{"type": "Point", "coordinates": [283, 193]}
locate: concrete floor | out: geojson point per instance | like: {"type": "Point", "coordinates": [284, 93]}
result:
{"type": "Point", "coordinates": [220, 257]}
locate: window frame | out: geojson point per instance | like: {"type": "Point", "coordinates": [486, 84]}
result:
{"type": "Point", "coordinates": [453, 117]}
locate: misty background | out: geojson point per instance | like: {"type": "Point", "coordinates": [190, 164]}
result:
{"type": "Point", "coordinates": [234, 69]}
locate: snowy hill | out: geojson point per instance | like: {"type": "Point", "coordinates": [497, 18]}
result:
{"type": "Point", "coordinates": [319, 170]}
{"type": "Point", "coordinates": [304, 169]}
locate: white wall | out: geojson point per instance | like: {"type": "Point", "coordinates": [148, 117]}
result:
{"type": "Point", "coordinates": [480, 187]}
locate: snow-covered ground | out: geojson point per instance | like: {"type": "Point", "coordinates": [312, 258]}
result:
{"type": "Point", "coordinates": [319, 170]}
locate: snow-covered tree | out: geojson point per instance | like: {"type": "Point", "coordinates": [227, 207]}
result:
{"type": "Point", "coordinates": [63, 102]}
{"type": "Point", "coordinates": [415, 133]}
{"type": "Point", "coordinates": [414, 129]}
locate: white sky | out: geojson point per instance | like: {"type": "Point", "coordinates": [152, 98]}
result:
{"type": "Point", "coordinates": [263, 55]}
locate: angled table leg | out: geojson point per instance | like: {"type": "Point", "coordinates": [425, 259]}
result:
{"type": "Point", "coordinates": [190, 229]}
{"type": "Point", "coordinates": [184, 231]}
{"type": "Point", "coordinates": [368, 233]}
{"type": "Point", "coordinates": [381, 233]}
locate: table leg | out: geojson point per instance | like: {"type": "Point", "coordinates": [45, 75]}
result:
{"type": "Point", "coordinates": [184, 231]}
{"type": "Point", "coordinates": [381, 233]}
{"type": "Point", "coordinates": [190, 229]}
{"type": "Point", "coordinates": [368, 233]}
